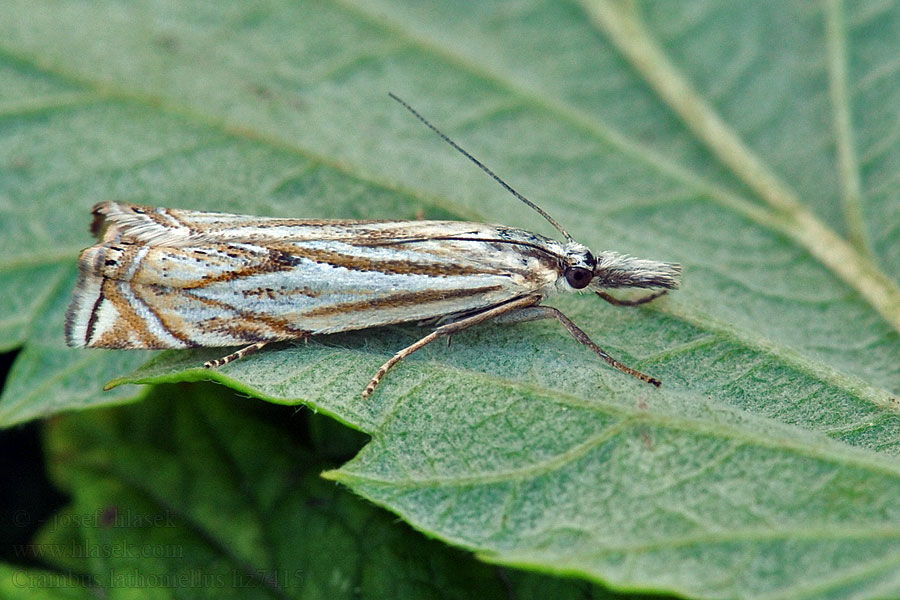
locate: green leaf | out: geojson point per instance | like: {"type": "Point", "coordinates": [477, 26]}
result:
{"type": "Point", "coordinates": [753, 142]}
{"type": "Point", "coordinates": [187, 492]}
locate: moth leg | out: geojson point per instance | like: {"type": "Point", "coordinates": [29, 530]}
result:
{"type": "Point", "coordinates": [534, 313]}
{"type": "Point", "coordinates": [252, 348]}
{"type": "Point", "coordinates": [636, 302]}
{"type": "Point", "coordinates": [448, 329]}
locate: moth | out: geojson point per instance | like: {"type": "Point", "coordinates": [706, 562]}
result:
{"type": "Point", "coordinates": [171, 278]}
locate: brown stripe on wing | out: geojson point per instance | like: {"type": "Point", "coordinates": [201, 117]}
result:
{"type": "Point", "coordinates": [286, 258]}
{"type": "Point", "coordinates": [167, 324]}
{"type": "Point", "coordinates": [372, 263]}
{"type": "Point", "coordinates": [400, 300]}
{"type": "Point", "coordinates": [89, 267]}
{"type": "Point", "coordinates": [97, 262]}
{"type": "Point", "coordinates": [114, 260]}
{"type": "Point", "coordinates": [133, 322]}
{"type": "Point", "coordinates": [160, 217]}
{"type": "Point", "coordinates": [279, 325]}
{"type": "Point", "coordinates": [272, 262]}
{"type": "Point", "coordinates": [92, 320]}
{"type": "Point", "coordinates": [269, 222]}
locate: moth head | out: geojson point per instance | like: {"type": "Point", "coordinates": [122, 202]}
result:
{"type": "Point", "coordinates": [614, 270]}
{"type": "Point", "coordinates": [578, 266]}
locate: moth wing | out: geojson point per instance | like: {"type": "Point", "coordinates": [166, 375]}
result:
{"type": "Point", "coordinates": [164, 278]}
{"type": "Point", "coordinates": [121, 222]}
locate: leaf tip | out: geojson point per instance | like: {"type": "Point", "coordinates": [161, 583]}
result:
{"type": "Point", "coordinates": [332, 475]}
{"type": "Point", "coordinates": [114, 383]}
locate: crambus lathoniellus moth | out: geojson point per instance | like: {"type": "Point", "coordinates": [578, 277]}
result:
{"type": "Point", "coordinates": [171, 278]}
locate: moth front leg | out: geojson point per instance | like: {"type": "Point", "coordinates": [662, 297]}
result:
{"type": "Point", "coordinates": [636, 302]}
{"type": "Point", "coordinates": [448, 329]}
{"type": "Point", "coordinates": [534, 313]}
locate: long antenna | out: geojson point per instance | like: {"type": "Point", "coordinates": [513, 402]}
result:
{"type": "Point", "coordinates": [484, 168]}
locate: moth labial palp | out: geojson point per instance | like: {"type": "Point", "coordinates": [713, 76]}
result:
{"type": "Point", "coordinates": [172, 278]}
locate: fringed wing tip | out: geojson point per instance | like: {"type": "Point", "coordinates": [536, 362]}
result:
{"type": "Point", "coordinates": [73, 327]}
{"type": "Point", "coordinates": [81, 309]}
{"type": "Point", "coordinates": [98, 224]}
{"type": "Point", "coordinates": [120, 221]}
{"type": "Point", "coordinates": [109, 212]}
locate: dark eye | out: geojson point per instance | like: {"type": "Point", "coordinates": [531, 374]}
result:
{"type": "Point", "coordinates": [578, 277]}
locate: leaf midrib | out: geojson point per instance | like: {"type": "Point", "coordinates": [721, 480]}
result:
{"type": "Point", "coordinates": [581, 120]}
{"type": "Point", "coordinates": [624, 26]}
{"type": "Point", "coordinates": [848, 163]}
{"type": "Point", "coordinates": [789, 218]}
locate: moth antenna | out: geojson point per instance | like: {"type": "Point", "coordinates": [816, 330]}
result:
{"type": "Point", "coordinates": [483, 167]}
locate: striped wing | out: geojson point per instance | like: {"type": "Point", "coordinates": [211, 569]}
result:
{"type": "Point", "coordinates": [164, 278]}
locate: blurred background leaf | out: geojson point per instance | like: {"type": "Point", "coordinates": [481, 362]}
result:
{"type": "Point", "coordinates": [193, 491]}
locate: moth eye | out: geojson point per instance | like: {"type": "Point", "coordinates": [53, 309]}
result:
{"type": "Point", "coordinates": [579, 277]}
